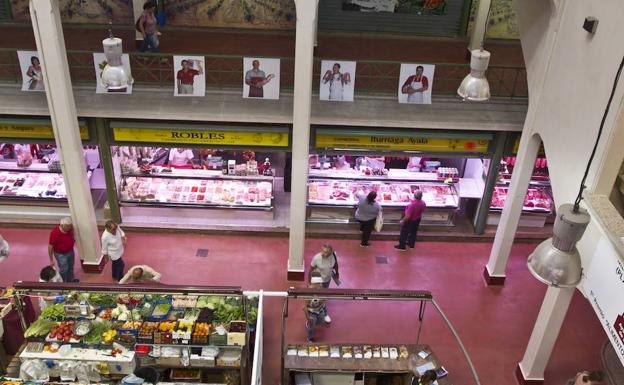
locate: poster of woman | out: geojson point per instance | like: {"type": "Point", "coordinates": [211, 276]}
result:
{"type": "Point", "coordinates": [416, 83]}
{"type": "Point", "coordinates": [261, 78]}
{"type": "Point", "coordinates": [189, 76]}
{"type": "Point", "coordinates": [337, 80]}
{"type": "Point", "coordinates": [32, 75]}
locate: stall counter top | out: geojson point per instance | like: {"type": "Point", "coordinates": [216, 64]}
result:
{"type": "Point", "coordinates": [81, 354]}
{"type": "Point", "coordinates": [12, 166]}
{"type": "Point", "coordinates": [393, 173]}
{"type": "Point", "coordinates": [386, 365]}
{"type": "Point", "coordinates": [208, 174]}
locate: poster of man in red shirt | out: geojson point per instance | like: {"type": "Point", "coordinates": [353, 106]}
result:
{"type": "Point", "coordinates": [416, 83]}
{"type": "Point", "coordinates": [190, 79]}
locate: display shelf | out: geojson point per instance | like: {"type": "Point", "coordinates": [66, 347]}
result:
{"type": "Point", "coordinates": [392, 175]}
{"type": "Point", "coordinates": [21, 185]}
{"type": "Point", "coordinates": [215, 192]}
{"type": "Point", "coordinates": [331, 192]}
{"type": "Point", "coordinates": [192, 346]}
{"type": "Point", "coordinates": [537, 200]}
{"type": "Point", "coordinates": [35, 167]}
{"type": "Point", "coordinates": [196, 174]}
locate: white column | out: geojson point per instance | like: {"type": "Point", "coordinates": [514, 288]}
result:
{"type": "Point", "coordinates": [302, 99]}
{"type": "Point", "coordinates": [506, 231]}
{"type": "Point", "coordinates": [545, 333]}
{"type": "Point", "coordinates": [53, 57]}
{"type": "Point", "coordinates": [480, 25]}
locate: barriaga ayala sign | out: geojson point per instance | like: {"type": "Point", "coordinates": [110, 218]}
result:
{"type": "Point", "coordinates": [400, 143]}
{"type": "Point", "coordinates": [604, 286]}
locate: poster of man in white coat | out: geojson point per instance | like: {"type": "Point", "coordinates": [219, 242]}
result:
{"type": "Point", "coordinates": [337, 80]}
{"type": "Point", "coordinates": [416, 83]}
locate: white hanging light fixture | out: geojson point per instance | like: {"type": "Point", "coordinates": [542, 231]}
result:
{"type": "Point", "coordinates": [115, 76]}
{"type": "Point", "coordinates": [475, 86]}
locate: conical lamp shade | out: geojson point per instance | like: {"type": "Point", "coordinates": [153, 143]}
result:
{"type": "Point", "coordinates": [555, 267]}
{"type": "Point", "coordinates": [475, 86]}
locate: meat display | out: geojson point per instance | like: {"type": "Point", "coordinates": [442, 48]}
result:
{"type": "Point", "coordinates": [538, 199]}
{"type": "Point", "coordinates": [343, 193]}
{"type": "Point", "coordinates": [209, 192]}
{"type": "Point", "coordinates": [32, 185]}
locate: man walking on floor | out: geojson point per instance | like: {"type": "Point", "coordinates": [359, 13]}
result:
{"type": "Point", "coordinates": [411, 221]}
{"type": "Point", "coordinates": [61, 248]}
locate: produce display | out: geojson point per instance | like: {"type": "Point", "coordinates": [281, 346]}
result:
{"type": "Point", "coordinates": [351, 352]}
{"type": "Point", "coordinates": [343, 192]}
{"type": "Point", "coordinates": [207, 192]}
{"type": "Point", "coordinates": [141, 319]}
{"type": "Point", "coordinates": [538, 199]}
{"type": "Point", "coordinates": [32, 185]}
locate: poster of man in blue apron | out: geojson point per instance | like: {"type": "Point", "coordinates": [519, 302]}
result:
{"type": "Point", "coordinates": [416, 83]}
{"type": "Point", "coordinates": [32, 75]}
{"type": "Point", "coordinates": [337, 80]}
{"type": "Point", "coordinates": [261, 78]}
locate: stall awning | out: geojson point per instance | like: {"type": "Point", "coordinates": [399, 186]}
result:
{"type": "Point", "coordinates": [201, 135]}
{"type": "Point", "coordinates": [429, 141]}
{"type": "Point", "coordinates": [33, 129]}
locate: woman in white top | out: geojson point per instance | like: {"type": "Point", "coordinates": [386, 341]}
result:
{"type": "Point", "coordinates": [113, 241]}
{"type": "Point", "coordinates": [181, 157]}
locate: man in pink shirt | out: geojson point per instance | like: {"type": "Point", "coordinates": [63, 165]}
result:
{"type": "Point", "coordinates": [411, 221]}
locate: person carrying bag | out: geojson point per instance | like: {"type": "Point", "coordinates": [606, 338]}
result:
{"type": "Point", "coordinates": [368, 213]}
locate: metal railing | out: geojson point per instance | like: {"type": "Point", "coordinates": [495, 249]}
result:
{"type": "Point", "coordinates": [373, 77]}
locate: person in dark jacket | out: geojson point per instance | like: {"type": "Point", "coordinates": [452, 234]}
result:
{"type": "Point", "coordinates": [367, 211]}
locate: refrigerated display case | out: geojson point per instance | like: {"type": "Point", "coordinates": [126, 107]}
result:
{"type": "Point", "coordinates": [197, 188]}
{"type": "Point", "coordinates": [334, 200]}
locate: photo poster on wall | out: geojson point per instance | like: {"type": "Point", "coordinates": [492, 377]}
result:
{"type": "Point", "coordinates": [416, 83]}
{"type": "Point", "coordinates": [99, 61]}
{"type": "Point", "coordinates": [416, 7]}
{"type": "Point", "coordinates": [337, 80]}
{"type": "Point", "coordinates": [32, 74]}
{"type": "Point", "coordinates": [189, 76]}
{"type": "Point", "coordinates": [261, 78]}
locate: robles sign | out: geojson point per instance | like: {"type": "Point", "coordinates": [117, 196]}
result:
{"type": "Point", "coordinates": [201, 137]}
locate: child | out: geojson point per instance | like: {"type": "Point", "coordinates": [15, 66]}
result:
{"type": "Point", "coordinates": [315, 309]}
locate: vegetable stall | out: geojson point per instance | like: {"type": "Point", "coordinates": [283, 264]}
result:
{"type": "Point", "coordinates": [101, 333]}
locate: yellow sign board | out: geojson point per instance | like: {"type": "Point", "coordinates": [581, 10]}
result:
{"type": "Point", "coordinates": [541, 151]}
{"type": "Point", "coordinates": [28, 131]}
{"type": "Point", "coordinates": [200, 137]}
{"type": "Point", "coordinates": [401, 143]}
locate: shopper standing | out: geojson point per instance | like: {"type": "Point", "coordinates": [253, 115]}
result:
{"type": "Point", "coordinates": [411, 221]}
{"type": "Point", "coordinates": [428, 378]}
{"type": "Point", "coordinates": [61, 248]}
{"type": "Point", "coordinates": [326, 264]}
{"type": "Point", "coordinates": [367, 211]}
{"type": "Point", "coordinates": [315, 309]}
{"type": "Point", "coordinates": [113, 241]}
{"type": "Point", "coordinates": [48, 274]}
{"type": "Point", "coordinates": [148, 26]}
{"type": "Point", "coordinates": [594, 377]}
{"type": "Point", "coordinates": [4, 249]}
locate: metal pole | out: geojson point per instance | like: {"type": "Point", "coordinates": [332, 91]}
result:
{"type": "Point", "coordinates": [484, 207]}
{"type": "Point", "coordinates": [475, 376]}
{"type": "Point", "coordinates": [421, 318]}
{"type": "Point", "coordinates": [107, 164]}
{"type": "Point", "coordinates": [20, 310]}
{"type": "Point", "coordinates": [283, 347]}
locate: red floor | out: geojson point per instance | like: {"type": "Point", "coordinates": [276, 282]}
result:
{"type": "Point", "coordinates": [494, 323]}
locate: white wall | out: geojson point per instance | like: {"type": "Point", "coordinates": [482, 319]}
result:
{"type": "Point", "coordinates": [567, 102]}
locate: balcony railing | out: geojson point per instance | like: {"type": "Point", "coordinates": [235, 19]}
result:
{"type": "Point", "coordinates": [373, 77]}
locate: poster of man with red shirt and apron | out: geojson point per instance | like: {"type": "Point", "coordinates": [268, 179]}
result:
{"type": "Point", "coordinates": [261, 78]}
{"type": "Point", "coordinates": [415, 83]}
{"type": "Point", "coordinates": [190, 79]}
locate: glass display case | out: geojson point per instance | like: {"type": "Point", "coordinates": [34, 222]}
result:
{"type": "Point", "coordinates": [334, 200]}
{"type": "Point", "coordinates": [537, 200]}
{"type": "Point", "coordinates": [197, 188]}
{"type": "Point", "coordinates": [32, 185]}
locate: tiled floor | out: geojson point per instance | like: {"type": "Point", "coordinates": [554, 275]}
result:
{"type": "Point", "coordinates": [494, 323]}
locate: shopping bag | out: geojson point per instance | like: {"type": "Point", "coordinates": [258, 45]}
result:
{"type": "Point", "coordinates": [379, 221]}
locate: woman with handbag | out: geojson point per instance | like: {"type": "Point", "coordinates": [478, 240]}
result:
{"type": "Point", "coordinates": [367, 212]}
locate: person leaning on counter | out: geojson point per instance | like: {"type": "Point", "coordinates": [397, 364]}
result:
{"type": "Point", "coordinates": [141, 273]}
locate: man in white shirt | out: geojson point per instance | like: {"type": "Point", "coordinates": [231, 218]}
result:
{"type": "Point", "coordinates": [180, 157]}
{"type": "Point", "coordinates": [113, 242]}
{"type": "Point", "coordinates": [4, 249]}
{"type": "Point", "coordinates": [141, 273]}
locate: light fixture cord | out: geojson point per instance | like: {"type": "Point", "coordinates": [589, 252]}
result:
{"type": "Point", "coordinates": [579, 197]}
